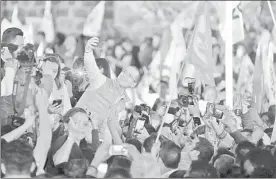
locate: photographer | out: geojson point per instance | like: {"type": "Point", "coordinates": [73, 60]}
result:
{"type": "Point", "coordinates": [139, 123]}
{"type": "Point", "coordinates": [12, 40]}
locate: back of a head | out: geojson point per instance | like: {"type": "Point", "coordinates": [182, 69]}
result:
{"type": "Point", "coordinates": [260, 159]}
{"type": "Point", "coordinates": [201, 169]}
{"type": "Point", "coordinates": [120, 162]}
{"type": "Point", "coordinates": [170, 153]}
{"type": "Point", "coordinates": [220, 152]}
{"type": "Point", "coordinates": [262, 172]}
{"type": "Point", "coordinates": [10, 34]}
{"type": "Point", "coordinates": [205, 148]}
{"type": "Point", "coordinates": [136, 143]}
{"type": "Point", "coordinates": [117, 173]}
{"type": "Point", "coordinates": [17, 156]}
{"type": "Point", "coordinates": [178, 174]}
{"type": "Point", "coordinates": [243, 148]}
{"type": "Point", "coordinates": [76, 168]}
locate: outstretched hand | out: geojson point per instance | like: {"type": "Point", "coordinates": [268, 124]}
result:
{"type": "Point", "coordinates": [92, 44]}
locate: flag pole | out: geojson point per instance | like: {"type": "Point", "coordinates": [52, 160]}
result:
{"type": "Point", "coordinates": [229, 55]}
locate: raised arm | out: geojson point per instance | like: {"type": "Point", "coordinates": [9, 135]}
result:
{"type": "Point", "coordinates": [44, 131]}
{"type": "Point", "coordinates": [95, 76]}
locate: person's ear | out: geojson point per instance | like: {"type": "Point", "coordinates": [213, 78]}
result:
{"type": "Point", "coordinates": [33, 166]}
{"type": "Point", "coordinates": [3, 169]}
{"type": "Point", "coordinates": [101, 70]}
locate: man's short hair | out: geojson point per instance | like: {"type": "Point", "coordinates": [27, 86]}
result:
{"type": "Point", "coordinates": [71, 113]}
{"type": "Point", "coordinates": [17, 157]}
{"type": "Point", "coordinates": [76, 168]}
{"type": "Point", "coordinates": [243, 146]}
{"type": "Point", "coordinates": [10, 34]}
{"type": "Point", "coordinates": [205, 148]}
{"type": "Point", "coordinates": [117, 173]}
{"type": "Point", "coordinates": [120, 162]}
{"type": "Point", "coordinates": [170, 153]}
{"type": "Point", "coordinates": [261, 158]}
{"type": "Point", "coordinates": [201, 169]}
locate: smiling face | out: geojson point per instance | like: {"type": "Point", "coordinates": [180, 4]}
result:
{"type": "Point", "coordinates": [129, 77]}
{"type": "Point", "coordinates": [7, 54]}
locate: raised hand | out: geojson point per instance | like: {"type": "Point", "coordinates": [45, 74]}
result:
{"type": "Point", "coordinates": [92, 44]}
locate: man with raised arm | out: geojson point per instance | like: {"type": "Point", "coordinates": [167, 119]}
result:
{"type": "Point", "coordinates": [105, 97]}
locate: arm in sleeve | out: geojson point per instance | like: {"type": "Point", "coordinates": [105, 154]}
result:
{"type": "Point", "coordinates": [7, 82]}
{"type": "Point", "coordinates": [94, 73]}
{"type": "Point", "coordinates": [44, 139]}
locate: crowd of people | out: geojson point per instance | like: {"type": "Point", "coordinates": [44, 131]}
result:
{"type": "Point", "coordinates": [81, 107]}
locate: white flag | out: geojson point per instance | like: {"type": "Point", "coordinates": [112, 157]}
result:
{"type": "Point", "coordinates": [48, 23]}
{"type": "Point", "coordinates": [29, 34]}
{"type": "Point", "coordinates": [93, 23]}
{"type": "Point", "coordinates": [5, 24]}
{"type": "Point", "coordinates": [15, 20]}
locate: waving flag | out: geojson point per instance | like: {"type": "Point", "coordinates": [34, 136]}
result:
{"type": "Point", "coordinates": [238, 27]}
{"type": "Point", "coordinates": [15, 20]}
{"type": "Point", "coordinates": [48, 23]}
{"type": "Point", "coordinates": [270, 76]}
{"type": "Point", "coordinates": [5, 24]}
{"type": "Point", "coordinates": [258, 81]}
{"type": "Point", "coordinates": [29, 34]}
{"type": "Point", "coordinates": [199, 52]}
{"type": "Point", "coordinates": [93, 23]}
{"type": "Point", "coordinates": [176, 56]}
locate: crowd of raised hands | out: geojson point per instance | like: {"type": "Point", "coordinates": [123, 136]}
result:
{"type": "Point", "coordinates": [56, 136]}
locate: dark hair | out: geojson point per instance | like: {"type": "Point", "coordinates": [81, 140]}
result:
{"type": "Point", "coordinates": [71, 113]}
{"type": "Point", "coordinates": [234, 172]}
{"type": "Point", "coordinates": [201, 169]}
{"type": "Point", "coordinates": [77, 168]}
{"type": "Point", "coordinates": [103, 63]}
{"type": "Point", "coordinates": [260, 158]}
{"type": "Point", "coordinates": [178, 174]}
{"type": "Point", "coordinates": [10, 34]}
{"type": "Point", "coordinates": [262, 172]}
{"type": "Point", "coordinates": [205, 148]}
{"type": "Point", "coordinates": [170, 153]}
{"type": "Point", "coordinates": [117, 173]}
{"type": "Point", "coordinates": [120, 162]}
{"type": "Point", "coordinates": [222, 151]}
{"type": "Point", "coordinates": [244, 145]}
{"type": "Point", "coordinates": [136, 143]}
{"type": "Point", "coordinates": [61, 38]}
{"type": "Point", "coordinates": [54, 58]}
{"type": "Point", "coordinates": [17, 157]}
{"type": "Point", "coordinates": [41, 33]}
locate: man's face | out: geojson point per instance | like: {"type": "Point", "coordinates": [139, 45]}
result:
{"type": "Point", "coordinates": [128, 77]}
{"type": "Point", "coordinates": [6, 54]}
{"type": "Point", "coordinates": [79, 124]}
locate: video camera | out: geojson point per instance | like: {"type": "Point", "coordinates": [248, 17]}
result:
{"type": "Point", "coordinates": [185, 100]}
